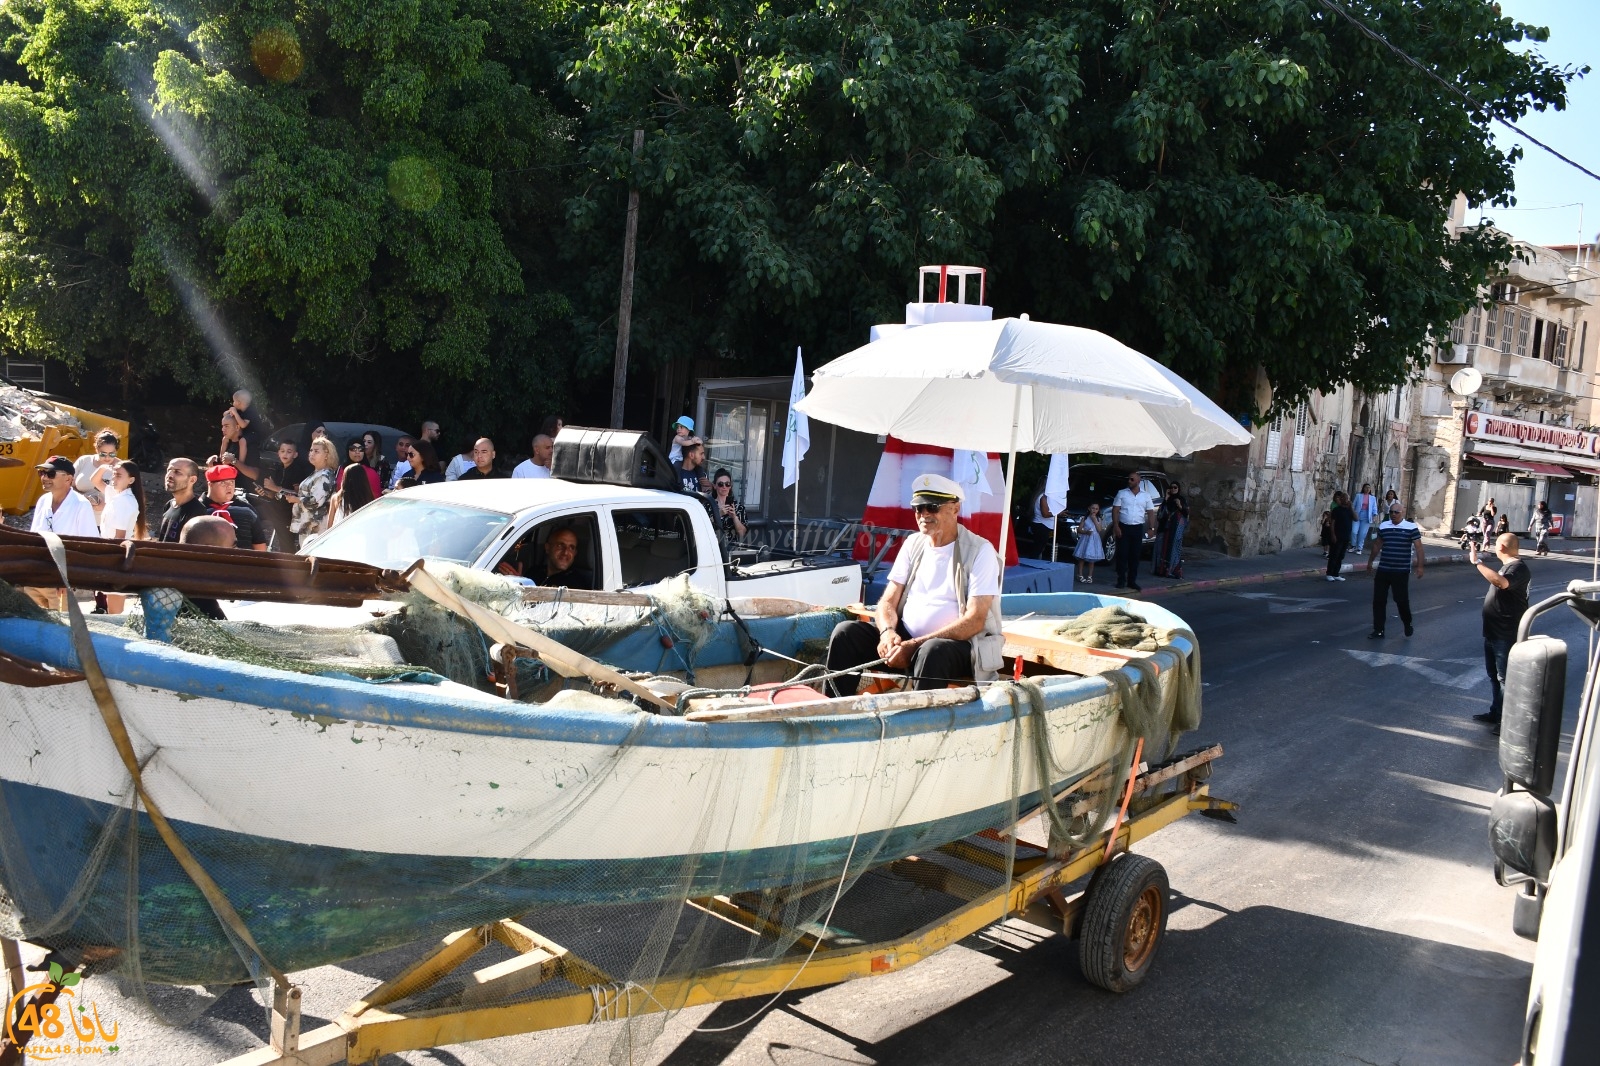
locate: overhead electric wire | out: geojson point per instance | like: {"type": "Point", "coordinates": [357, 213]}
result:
{"type": "Point", "coordinates": [1368, 31]}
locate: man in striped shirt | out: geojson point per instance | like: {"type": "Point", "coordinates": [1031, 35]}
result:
{"type": "Point", "coordinates": [1396, 555]}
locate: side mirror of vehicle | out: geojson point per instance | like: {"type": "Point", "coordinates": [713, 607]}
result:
{"type": "Point", "coordinates": [1522, 833]}
{"type": "Point", "coordinates": [1530, 724]}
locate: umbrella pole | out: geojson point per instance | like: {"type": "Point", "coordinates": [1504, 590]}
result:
{"type": "Point", "coordinates": [1011, 477]}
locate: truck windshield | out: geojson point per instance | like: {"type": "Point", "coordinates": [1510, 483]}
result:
{"type": "Point", "coordinates": [395, 532]}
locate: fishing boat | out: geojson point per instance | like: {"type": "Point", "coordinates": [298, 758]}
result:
{"type": "Point", "coordinates": [344, 814]}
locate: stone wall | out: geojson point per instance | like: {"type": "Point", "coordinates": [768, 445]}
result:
{"type": "Point", "coordinates": [1243, 508]}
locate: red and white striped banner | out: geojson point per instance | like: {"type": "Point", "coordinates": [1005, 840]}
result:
{"type": "Point", "coordinates": [889, 502]}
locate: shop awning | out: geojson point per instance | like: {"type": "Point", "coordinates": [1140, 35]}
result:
{"type": "Point", "coordinates": [1521, 465]}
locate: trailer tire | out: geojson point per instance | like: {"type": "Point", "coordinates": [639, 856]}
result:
{"type": "Point", "coordinates": [1124, 919]}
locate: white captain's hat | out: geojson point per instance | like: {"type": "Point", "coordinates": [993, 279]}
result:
{"type": "Point", "coordinates": [935, 488]}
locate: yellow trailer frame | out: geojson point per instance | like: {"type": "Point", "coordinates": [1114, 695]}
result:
{"type": "Point", "coordinates": [367, 1030]}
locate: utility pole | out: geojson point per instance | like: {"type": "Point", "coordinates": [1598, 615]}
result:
{"type": "Point", "coordinates": [619, 378]}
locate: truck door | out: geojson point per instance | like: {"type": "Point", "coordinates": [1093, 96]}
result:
{"type": "Point", "coordinates": [655, 543]}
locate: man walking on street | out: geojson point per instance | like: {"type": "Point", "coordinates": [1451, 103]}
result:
{"type": "Point", "coordinates": [1397, 554]}
{"type": "Point", "coordinates": [1130, 513]}
{"type": "Point", "coordinates": [1503, 608]}
{"type": "Point", "coordinates": [1366, 509]}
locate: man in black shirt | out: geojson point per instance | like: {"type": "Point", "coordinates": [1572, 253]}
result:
{"type": "Point", "coordinates": [182, 476]}
{"type": "Point", "coordinates": [1503, 608]}
{"type": "Point", "coordinates": [482, 462]}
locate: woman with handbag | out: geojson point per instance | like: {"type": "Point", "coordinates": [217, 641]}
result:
{"type": "Point", "coordinates": [1172, 520]}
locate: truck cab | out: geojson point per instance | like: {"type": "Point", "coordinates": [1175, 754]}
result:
{"type": "Point", "coordinates": [616, 494]}
{"type": "Point", "coordinates": [1544, 829]}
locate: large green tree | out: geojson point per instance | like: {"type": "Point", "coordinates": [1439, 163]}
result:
{"type": "Point", "coordinates": [323, 196]}
{"type": "Point", "coordinates": [1225, 186]}
{"type": "Point", "coordinates": [422, 201]}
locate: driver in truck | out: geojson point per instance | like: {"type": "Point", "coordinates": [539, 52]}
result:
{"type": "Point", "coordinates": [556, 569]}
{"type": "Point", "coordinates": [939, 618]}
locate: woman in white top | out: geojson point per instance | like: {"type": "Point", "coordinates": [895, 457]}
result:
{"type": "Point", "coordinates": [122, 517]}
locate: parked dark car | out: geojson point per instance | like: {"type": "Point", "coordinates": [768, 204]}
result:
{"type": "Point", "coordinates": [341, 434]}
{"type": "Point", "coordinates": [1095, 483]}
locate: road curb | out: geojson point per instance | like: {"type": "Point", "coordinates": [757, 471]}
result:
{"type": "Point", "coordinates": [1277, 576]}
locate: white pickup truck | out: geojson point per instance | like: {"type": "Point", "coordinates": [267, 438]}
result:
{"type": "Point", "coordinates": [629, 537]}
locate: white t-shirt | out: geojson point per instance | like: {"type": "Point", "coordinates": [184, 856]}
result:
{"type": "Point", "coordinates": [930, 602]}
{"type": "Point", "coordinates": [74, 518]}
{"type": "Point", "coordinates": [458, 466]}
{"type": "Point", "coordinates": [1131, 507]}
{"type": "Point", "coordinates": [400, 470]}
{"type": "Point", "coordinates": [121, 512]}
{"type": "Point", "coordinates": [528, 468]}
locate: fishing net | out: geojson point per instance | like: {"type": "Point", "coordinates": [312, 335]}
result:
{"type": "Point", "coordinates": [371, 788]}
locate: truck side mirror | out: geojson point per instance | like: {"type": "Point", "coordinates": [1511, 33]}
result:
{"type": "Point", "coordinates": [1530, 724]}
{"type": "Point", "coordinates": [1522, 833]}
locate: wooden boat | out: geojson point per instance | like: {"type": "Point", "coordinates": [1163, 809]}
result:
{"type": "Point", "coordinates": [343, 817]}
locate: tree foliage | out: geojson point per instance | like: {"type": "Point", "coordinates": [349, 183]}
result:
{"type": "Point", "coordinates": [1223, 186]}
{"type": "Point", "coordinates": [229, 191]}
{"type": "Point", "coordinates": [436, 188]}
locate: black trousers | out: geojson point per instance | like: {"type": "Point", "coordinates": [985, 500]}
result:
{"type": "Point", "coordinates": [1130, 542]}
{"type": "Point", "coordinates": [1383, 582]}
{"type": "Point", "coordinates": [1336, 556]}
{"type": "Point", "coordinates": [935, 663]}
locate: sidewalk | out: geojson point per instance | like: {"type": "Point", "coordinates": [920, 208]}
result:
{"type": "Point", "coordinates": [1204, 569]}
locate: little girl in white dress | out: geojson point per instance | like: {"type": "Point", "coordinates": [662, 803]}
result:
{"type": "Point", "coordinates": [1091, 546]}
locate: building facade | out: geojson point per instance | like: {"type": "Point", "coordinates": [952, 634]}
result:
{"type": "Point", "coordinates": [1269, 495]}
{"type": "Point", "coordinates": [1506, 410]}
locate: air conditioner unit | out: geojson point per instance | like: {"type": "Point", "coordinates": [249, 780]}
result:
{"type": "Point", "coordinates": [1453, 353]}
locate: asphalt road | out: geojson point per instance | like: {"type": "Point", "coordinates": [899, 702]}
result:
{"type": "Point", "coordinates": [1351, 916]}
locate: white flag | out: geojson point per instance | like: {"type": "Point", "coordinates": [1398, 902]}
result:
{"type": "Point", "coordinates": [1055, 483]}
{"type": "Point", "coordinates": [968, 468]}
{"type": "Point", "coordinates": [797, 434]}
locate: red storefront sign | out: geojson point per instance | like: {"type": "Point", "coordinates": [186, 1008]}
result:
{"type": "Point", "coordinates": [1577, 442]}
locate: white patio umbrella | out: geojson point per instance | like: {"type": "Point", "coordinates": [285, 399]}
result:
{"type": "Point", "coordinates": [1015, 385]}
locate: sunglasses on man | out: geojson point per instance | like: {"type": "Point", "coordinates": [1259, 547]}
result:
{"type": "Point", "coordinates": [926, 508]}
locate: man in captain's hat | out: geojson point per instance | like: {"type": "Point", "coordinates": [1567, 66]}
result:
{"type": "Point", "coordinates": [939, 618]}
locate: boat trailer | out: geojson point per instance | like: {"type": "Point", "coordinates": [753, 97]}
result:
{"type": "Point", "coordinates": [1118, 918]}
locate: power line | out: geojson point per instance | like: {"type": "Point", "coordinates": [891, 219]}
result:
{"type": "Point", "coordinates": [1337, 9]}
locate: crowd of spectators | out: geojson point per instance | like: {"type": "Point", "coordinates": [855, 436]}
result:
{"type": "Point", "coordinates": [242, 496]}
{"type": "Point", "coordinates": [282, 500]}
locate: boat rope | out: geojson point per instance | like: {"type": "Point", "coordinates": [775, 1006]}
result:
{"type": "Point", "coordinates": [89, 662]}
{"type": "Point", "coordinates": [1049, 772]}
{"type": "Point", "coordinates": [838, 890]}
{"type": "Point", "coordinates": [614, 1001]}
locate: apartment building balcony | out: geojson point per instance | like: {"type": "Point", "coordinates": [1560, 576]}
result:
{"type": "Point", "coordinates": [1519, 377]}
{"type": "Point", "coordinates": [1551, 276]}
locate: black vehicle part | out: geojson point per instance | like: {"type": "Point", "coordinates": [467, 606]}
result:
{"type": "Point", "coordinates": [611, 457]}
{"type": "Point", "coordinates": [1123, 921]}
{"type": "Point", "coordinates": [1530, 727]}
{"type": "Point", "coordinates": [1522, 834]}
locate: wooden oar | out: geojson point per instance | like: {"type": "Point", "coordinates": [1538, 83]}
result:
{"type": "Point", "coordinates": [558, 657]}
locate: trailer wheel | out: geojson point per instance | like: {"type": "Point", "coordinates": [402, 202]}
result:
{"type": "Point", "coordinates": [1123, 921]}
